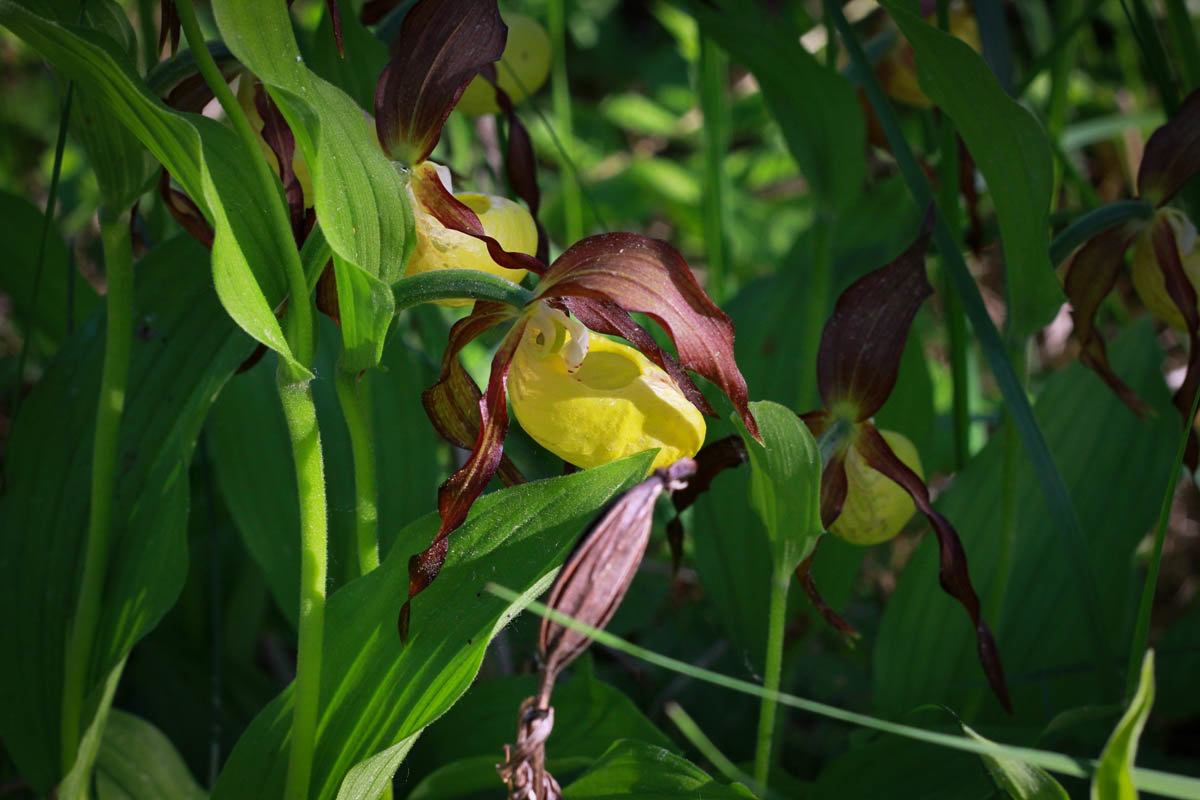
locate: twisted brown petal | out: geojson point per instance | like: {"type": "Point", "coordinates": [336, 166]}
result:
{"type": "Point", "coordinates": [952, 574]}
{"type": "Point", "coordinates": [1172, 154]}
{"type": "Point", "coordinates": [832, 618]}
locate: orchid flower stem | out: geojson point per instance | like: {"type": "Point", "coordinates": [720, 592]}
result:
{"type": "Point", "coordinates": [301, 415]}
{"type": "Point", "coordinates": [299, 310]}
{"type": "Point", "coordinates": [773, 668]}
{"type": "Point", "coordinates": [354, 396]}
{"type": "Point", "coordinates": [1058, 499]}
{"type": "Point", "coordinates": [118, 340]}
{"type": "Point", "coordinates": [1141, 632]}
{"type": "Point", "coordinates": [560, 91]}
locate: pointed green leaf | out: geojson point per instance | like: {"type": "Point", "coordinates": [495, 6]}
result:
{"type": "Point", "coordinates": [369, 778]}
{"type": "Point", "coordinates": [365, 310]}
{"type": "Point", "coordinates": [785, 483]}
{"type": "Point", "coordinates": [1113, 780]}
{"type": "Point", "coordinates": [1010, 149]}
{"type": "Point", "coordinates": [1020, 780]}
{"type": "Point", "coordinates": [633, 769]}
{"type": "Point", "coordinates": [138, 762]}
{"type": "Point", "coordinates": [377, 691]}
{"type": "Point", "coordinates": [185, 351]}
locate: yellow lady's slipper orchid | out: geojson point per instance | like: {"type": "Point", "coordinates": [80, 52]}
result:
{"type": "Point", "coordinates": [1148, 276]}
{"type": "Point", "coordinates": [439, 247]}
{"type": "Point", "coordinates": [519, 72]}
{"type": "Point", "coordinates": [876, 507]}
{"type": "Point", "coordinates": [590, 400]}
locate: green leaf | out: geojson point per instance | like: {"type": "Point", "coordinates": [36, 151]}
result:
{"type": "Point", "coordinates": [358, 195]}
{"type": "Point", "coordinates": [1020, 780]}
{"type": "Point", "coordinates": [785, 483]}
{"type": "Point", "coordinates": [632, 769]}
{"type": "Point", "coordinates": [925, 651]}
{"type": "Point", "coordinates": [19, 238]}
{"type": "Point", "coordinates": [902, 769]}
{"type": "Point", "coordinates": [187, 350]}
{"type": "Point", "coordinates": [137, 762]}
{"type": "Point", "coordinates": [253, 236]}
{"type": "Point", "coordinates": [1010, 149]}
{"type": "Point", "coordinates": [378, 691]}
{"type": "Point", "coordinates": [369, 778]}
{"type": "Point", "coordinates": [815, 106]}
{"type": "Point", "coordinates": [1113, 780]}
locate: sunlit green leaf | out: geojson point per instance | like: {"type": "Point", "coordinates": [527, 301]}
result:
{"type": "Point", "coordinates": [1113, 779]}
{"type": "Point", "coordinates": [137, 762]}
{"type": "Point", "coordinates": [632, 769]}
{"type": "Point", "coordinates": [1020, 780]}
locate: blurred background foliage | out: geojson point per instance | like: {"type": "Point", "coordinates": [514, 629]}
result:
{"type": "Point", "coordinates": [662, 128]}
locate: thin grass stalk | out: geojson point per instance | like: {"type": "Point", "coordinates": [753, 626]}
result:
{"type": "Point", "coordinates": [1145, 32]}
{"type": "Point", "coordinates": [1185, 40]}
{"type": "Point", "coordinates": [772, 671]}
{"type": "Point", "coordinates": [1149, 780]}
{"type": "Point", "coordinates": [712, 74]}
{"type": "Point", "coordinates": [118, 341]}
{"type": "Point", "coordinates": [1060, 79]}
{"type": "Point", "coordinates": [354, 397]}
{"type": "Point", "coordinates": [560, 92]}
{"type": "Point", "coordinates": [1141, 631]}
{"type": "Point", "coordinates": [707, 748]}
{"type": "Point", "coordinates": [1050, 479]}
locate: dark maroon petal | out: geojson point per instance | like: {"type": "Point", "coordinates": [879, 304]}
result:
{"type": "Point", "coordinates": [1166, 253]}
{"type": "Point", "coordinates": [453, 402]}
{"type": "Point", "coordinates": [832, 618]}
{"type": "Point", "coordinates": [864, 338]}
{"type": "Point", "coordinates": [169, 26]}
{"type": "Point", "coordinates": [460, 490]}
{"type": "Point", "coordinates": [278, 136]}
{"type": "Point", "coordinates": [375, 10]}
{"type": "Point", "coordinates": [649, 276]}
{"type": "Point", "coordinates": [1090, 276]}
{"type": "Point", "coordinates": [433, 196]}
{"type": "Point", "coordinates": [834, 486]}
{"type": "Point", "coordinates": [441, 46]}
{"type": "Point", "coordinates": [952, 574]}
{"type": "Point", "coordinates": [713, 459]}
{"type": "Point", "coordinates": [335, 17]}
{"type": "Point", "coordinates": [185, 212]}
{"type": "Point", "coordinates": [326, 295]}
{"type": "Point", "coordinates": [606, 317]}
{"type": "Point", "coordinates": [966, 187]}
{"type": "Point", "coordinates": [1172, 154]}
{"type": "Point", "coordinates": [597, 573]}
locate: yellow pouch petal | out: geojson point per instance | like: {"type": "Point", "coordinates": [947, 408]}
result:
{"type": "Point", "coordinates": [615, 403]}
{"type": "Point", "coordinates": [1148, 278]}
{"type": "Point", "coordinates": [876, 507]}
{"type": "Point", "coordinates": [439, 247]}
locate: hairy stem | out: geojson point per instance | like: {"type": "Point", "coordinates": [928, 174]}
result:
{"type": "Point", "coordinates": [118, 339]}
{"type": "Point", "coordinates": [301, 415]}
{"type": "Point", "coordinates": [354, 396]}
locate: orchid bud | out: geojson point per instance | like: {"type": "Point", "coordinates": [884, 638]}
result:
{"type": "Point", "coordinates": [876, 507]}
{"type": "Point", "coordinates": [590, 400]}
{"type": "Point", "coordinates": [1148, 277]}
{"type": "Point", "coordinates": [520, 72]}
{"type": "Point", "coordinates": [439, 247]}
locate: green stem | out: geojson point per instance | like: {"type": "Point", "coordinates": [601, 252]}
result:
{"type": "Point", "coordinates": [699, 740]}
{"type": "Point", "coordinates": [776, 619]}
{"type": "Point", "coordinates": [301, 415]}
{"type": "Point", "coordinates": [300, 308]}
{"type": "Point", "coordinates": [118, 340]}
{"type": "Point", "coordinates": [1141, 632]}
{"type": "Point", "coordinates": [1185, 38]}
{"type": "Point", "coordinates": [354, 396]}
{"type": "Point", "coordinates": [560, 91]}
{"type": "Point", "coordinates": [817, 287]}
{"type": "Point", "coordinates": [713, 72]}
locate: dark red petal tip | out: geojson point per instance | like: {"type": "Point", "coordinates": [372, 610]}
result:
{"type": "Point", "coordinates": [1172, 154]}
{"type": "Point", "coordinates": [952, 574]}
{"type": "Point", "coordinates": [441, 46]}
{"type": "Point", "coordinates": [649, 276]}
{"type": "Point", "coordinates": [863, 340]}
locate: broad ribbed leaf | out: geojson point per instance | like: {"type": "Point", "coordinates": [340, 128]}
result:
{"type": "Point", "coordinates": [926, 651]}
{"type": "Point", "coordinates": [1172, 154]}
{"type": "Point", "coordinates": [785, 483]}
{"type": "Point", "coordinates": [1010, 149]}
{"type": "Point", "coordinates": [864, 338]}
{"type": "Point", "coordinates": [441, 47]}
{"type": "Point", "coordinates": [253, 236]}
{"type": "Point", "coordinates": [377, 691]}
{"type": "Point", "coordinates": [952, 558]}
{"type": "Point", "coordinates": [137, 762]}
{"type": "Point", "coordinates": [632, 769]}
{"type": "Point", "coordinates": [815, 106]}
{"type": "Point", "coordinates": [1113, 780]}
{"type": "Point", "coordinates": [650, 276]}
{"type": "Point", "coordinates": [186, 351]}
